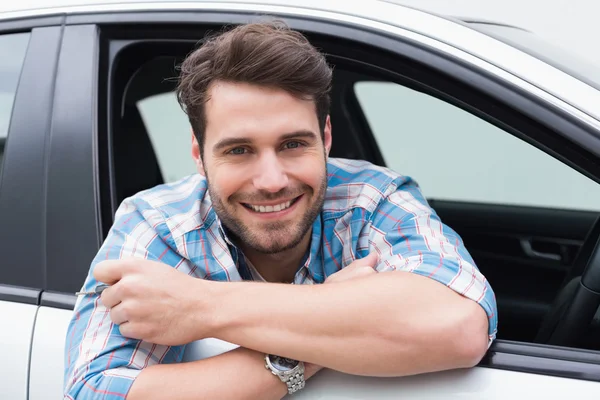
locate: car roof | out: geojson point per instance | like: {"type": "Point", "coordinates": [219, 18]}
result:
{"type": "Point", "coordinates": [54, 5]}
{"type": "Point", "coordinates": [446, 34]}
{"type": "Point", "coordinates": [45, 7]}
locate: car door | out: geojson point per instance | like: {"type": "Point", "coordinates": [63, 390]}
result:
{"type": "Point", "coordinates": [25, 101]}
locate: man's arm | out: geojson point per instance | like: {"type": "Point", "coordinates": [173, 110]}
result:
{"type": "Point", "coordinates": [387, 324]}
{"type": "Point", "coordinates": [237, 374]}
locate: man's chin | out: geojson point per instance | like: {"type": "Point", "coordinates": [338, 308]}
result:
{"type": "Point", "coordinates": [269, 243]}
{"type": "Point", "coordinates": [266, 247]}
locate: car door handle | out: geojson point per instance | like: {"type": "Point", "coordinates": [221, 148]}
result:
{"type": "Point", "coordinates": [529, 251]}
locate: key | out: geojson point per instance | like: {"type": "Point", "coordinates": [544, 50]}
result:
{"type": "Point", "coordinates": [97, 290]}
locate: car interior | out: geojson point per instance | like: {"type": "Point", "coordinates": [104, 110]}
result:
{"type": "Point", "coordinates": [2, 146]}
{"type": "Point", "coordinates": [533, 257]}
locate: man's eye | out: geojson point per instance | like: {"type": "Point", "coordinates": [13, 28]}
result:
{"type": "Point", "coordinates": [238, 151]}
{"type": "Point", "coordinates": [293, 145]}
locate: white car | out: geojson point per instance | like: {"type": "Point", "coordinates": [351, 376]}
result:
{"type": "Point", "coordinates": [501, 130]}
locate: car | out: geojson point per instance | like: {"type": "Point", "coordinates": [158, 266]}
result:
{"type": "Point", "coordinates": [501, 130]}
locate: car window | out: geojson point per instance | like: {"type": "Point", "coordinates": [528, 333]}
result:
{"type": "Point", "coordinates": [170, 134]}
{"type": "Point", "coordinates": [12, 55]}
{"type": "Point", "coordinates": [457, 156]}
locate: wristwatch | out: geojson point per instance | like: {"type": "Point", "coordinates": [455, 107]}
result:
{"type": "Point", "coordinates": [291, 372]}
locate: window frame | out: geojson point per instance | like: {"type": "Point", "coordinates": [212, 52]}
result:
{"type": "Point", "coordinates": [22, 195]}
{"type": "Point", "coordinates": [75, 126]}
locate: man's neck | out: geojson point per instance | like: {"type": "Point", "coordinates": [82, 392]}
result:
{"type": "Point", "coordinates": [279, 267]}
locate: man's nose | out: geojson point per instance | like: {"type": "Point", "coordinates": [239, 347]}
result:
{"type": "Point", "coordinates": [270, 174]}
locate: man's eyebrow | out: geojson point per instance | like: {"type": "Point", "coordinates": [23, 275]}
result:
{"type": "Point", "coordinates": [233, 141]}
{"type": "Point", "coordinates": [221, 144]}
{"type": "Point", "coordinates": [306, 134]}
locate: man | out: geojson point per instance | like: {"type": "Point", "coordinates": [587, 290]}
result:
{"type": "Point", "coordinates": [304, 261]}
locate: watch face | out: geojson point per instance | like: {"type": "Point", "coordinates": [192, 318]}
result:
{"type": "Point", "coordinates": [283, 364]}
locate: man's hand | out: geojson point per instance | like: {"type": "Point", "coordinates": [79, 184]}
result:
{"type": "Point", "coordinates": [358, 269]}
{"type": "Point", "coordinates": [153, 301]}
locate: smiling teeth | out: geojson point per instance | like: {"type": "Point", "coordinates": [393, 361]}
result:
{"type": "Point", "coordinates": [274, 208]}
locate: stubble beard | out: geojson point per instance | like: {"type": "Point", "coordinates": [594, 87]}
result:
{"type": "Point", "coordinates": [273, 237]}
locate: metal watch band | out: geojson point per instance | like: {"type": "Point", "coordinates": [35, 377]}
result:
{"type": "Point", "coordinates": [295, 382]}
{"type": "Point", "coordinates": [293, 379]}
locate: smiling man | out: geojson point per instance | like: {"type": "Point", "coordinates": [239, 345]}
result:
{"type": "Point", "coordinates": [304, 261]}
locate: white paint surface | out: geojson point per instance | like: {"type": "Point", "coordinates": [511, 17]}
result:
{"type": "Point", "coordinates": [47, 365]}
{"type": "Point", "coordinates": [15, 341]}
{"type": "Point", "coordinates": [472, 384]}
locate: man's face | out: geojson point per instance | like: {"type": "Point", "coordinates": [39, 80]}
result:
{"type": "Point", "coordinates": [265, 163]}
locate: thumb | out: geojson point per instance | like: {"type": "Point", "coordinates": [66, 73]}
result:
{"type": "Point", "coordinates": [371, 260]}
{"type": "Point", "coordinates": [110, 271]}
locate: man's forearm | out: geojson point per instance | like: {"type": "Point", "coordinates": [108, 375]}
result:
{"type": "Point", "coordinates": [238, 374]}
{"type": "Point", "coordinates": [388, 324]}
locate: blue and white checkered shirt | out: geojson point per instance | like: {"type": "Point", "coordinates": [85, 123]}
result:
{"type": "Point", "coordinates": [367, 208]}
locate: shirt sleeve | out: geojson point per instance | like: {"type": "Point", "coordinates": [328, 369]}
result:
{"type": "Point", "coordinates": [99, 361]}
{"type": "Point", "coordinates": [409, 236]}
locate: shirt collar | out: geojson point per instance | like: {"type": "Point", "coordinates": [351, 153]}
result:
{"type": "Point", "coordinates": [308, 266]}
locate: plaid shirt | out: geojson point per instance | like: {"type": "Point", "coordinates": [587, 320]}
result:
{"type": "Point", "coordinates": [367, 208]}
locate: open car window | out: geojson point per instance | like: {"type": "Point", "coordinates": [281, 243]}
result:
{"type": "Point", "coordinates": [457, 156]}
{"type": "Point", "coordinates": [170, 133]}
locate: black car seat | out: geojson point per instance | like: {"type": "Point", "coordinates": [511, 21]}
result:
{"type": "Point", "coordinates": [135, 162]}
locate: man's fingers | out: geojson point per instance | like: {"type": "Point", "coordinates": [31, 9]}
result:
{"type": "Point", "coordinates": [111, 271]}
{"type": "Point", "coordinates": [362, 267]}
{"type": "Point", "coordinates": [109, 297]}
{"type": "Point", "coordinates": [370, 260]}
{"type": "Point", "coordinates": [128, 330]}
{"type": "Point", "coordinates": [118, 315]}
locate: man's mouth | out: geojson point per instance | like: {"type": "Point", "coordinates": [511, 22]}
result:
{"type": "Point", "coordinates": [271, 208]}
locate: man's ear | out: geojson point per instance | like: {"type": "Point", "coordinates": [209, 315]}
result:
{"type": "Point", "coordinates": [196, 154]}
{"type": "Point", "coordinates": [327, 139]}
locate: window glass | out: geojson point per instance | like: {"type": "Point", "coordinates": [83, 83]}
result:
{"type": "Point", "coordinates": [12, 55]}
{"type": "Point", "coordinates": [170, 134]}
{"type": "Point", "coordinates": [455, 155]}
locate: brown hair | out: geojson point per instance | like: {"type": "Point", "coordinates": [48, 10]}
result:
{"type": "Point", "coordinates": [267, 54]}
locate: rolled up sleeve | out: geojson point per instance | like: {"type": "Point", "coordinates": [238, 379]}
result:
{"type": "Point", "coordinates": [99, 361]}
{"type": "Point", "coordinates": [409, 236]}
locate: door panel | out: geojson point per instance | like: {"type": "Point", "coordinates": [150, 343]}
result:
{"type": "Point", "coordinates": [47, 354]}
{"type": "Point", "coordinates": [524, 252]}
{"type": "Point", "coordinates": [473, 384]}
{"type": "Point", "coordinates": [15, 341]}
{"type": "Point", "coordinates": [476, 383]}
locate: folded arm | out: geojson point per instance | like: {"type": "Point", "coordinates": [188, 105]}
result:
{"type": "Point", "coordinates": [387, 324]}
{"type": "Point", "coordinates": [237, 374]}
